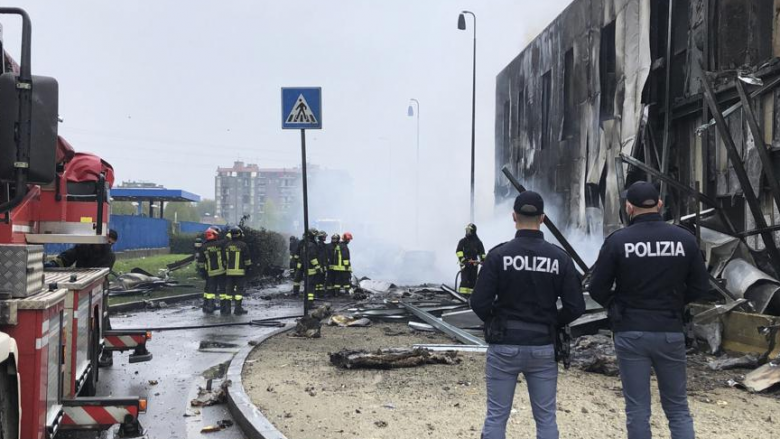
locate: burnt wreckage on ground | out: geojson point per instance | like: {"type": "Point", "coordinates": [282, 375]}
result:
{"type": "Point", "coordinates": [685, 93]}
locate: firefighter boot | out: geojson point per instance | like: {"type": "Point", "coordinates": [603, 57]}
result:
{"type": "Point", "coordinates": [239, 310]}
{"type": "Point", "coordinates": [208, 306]}
{"type": "Point", "coordinates": [224, 306]}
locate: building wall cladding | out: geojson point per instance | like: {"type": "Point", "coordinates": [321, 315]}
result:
{"type": "Point", "coordinates": [574, 99]}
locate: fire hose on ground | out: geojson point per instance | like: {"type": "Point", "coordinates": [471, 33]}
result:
{"type": "Point", "coordinates": [271, 322]}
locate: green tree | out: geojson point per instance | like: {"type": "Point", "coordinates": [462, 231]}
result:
{"type": "Point", "coordinates": [271, 214]}
{"type": "Point", "coordinates": [206, 206]}
{"type": "Point", "coordinates": [123, 208]}
{"type": "Point", "coordinates": [181, 211]}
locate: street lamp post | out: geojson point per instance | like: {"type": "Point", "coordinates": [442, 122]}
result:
{"type": "Point", "coordinates": [462, 26]}
{"type": "Point", "coordinates": [411, 113]}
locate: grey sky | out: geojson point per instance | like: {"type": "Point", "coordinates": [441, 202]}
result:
{"type": "Point", "coordinates": [168, 90]}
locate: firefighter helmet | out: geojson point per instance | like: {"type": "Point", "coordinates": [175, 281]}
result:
{"type": "Point", "coordinates": [212, 233]}
{"type": "Point", "coordinates": [322, 236]}
{"type": "Point", "coordinates": [335, 238]}
{"type": "Point", "coordinates": [347, 237]}
{"type": "Point", "coordinates": [471, 229]}
{"type": "Point", "coordinates": [236, 233]}
{"type": "Point", "coordinates": [313, 233]}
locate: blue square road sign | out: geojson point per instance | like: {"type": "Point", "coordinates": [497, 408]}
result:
{"type": "Point", "coordinates": [301, 108]}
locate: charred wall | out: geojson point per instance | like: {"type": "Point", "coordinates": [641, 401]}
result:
{"type": "Point", "coordinates": [569, 102]}
{"type": "Point", "coordinates": [593, 85]}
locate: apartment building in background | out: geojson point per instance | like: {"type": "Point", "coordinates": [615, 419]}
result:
{"type": "Point", "coordinates": [267, 195]}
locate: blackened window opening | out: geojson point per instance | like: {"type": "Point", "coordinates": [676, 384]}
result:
{"type": "Point", "coordinates": [546, 107]}
{"type": "Point", "coordinates": [607, 71]}
{"type": "Point", "coordinates": [569, 111]}
{"type": "Point", "coordinates": [520, 113]}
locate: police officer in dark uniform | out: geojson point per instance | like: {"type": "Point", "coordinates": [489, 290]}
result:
{"type": "Point", "coordinates": [516, 296]}
{"type": "Point", "coordinates": [657, 269]}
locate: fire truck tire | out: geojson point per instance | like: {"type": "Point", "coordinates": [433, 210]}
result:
{"type": "Point", "coordinates": [9, 402]}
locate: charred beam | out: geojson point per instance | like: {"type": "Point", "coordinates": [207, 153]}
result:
{"type": "Point", "coordinates": [670, 181]}
{"type": "Point", "coordinates": [667, 104]}
{"type": "Point", "coordinates": [767, 87]}
{"type": "Point", "coordinates": [758, 139]}
{"type": "Point", "coordinates": [755, 232]}
{"type": "Point", "coordinates": [621, 184]}
{"type": "Point", "coordinates": [739, 169]}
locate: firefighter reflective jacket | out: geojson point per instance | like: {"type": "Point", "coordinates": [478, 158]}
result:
{"type": "Point", "coordinates": [294, 246]}
{"type": "Point", "coordinates": [237, 258]}
{"type": "Point", "coordinates": [211, 258]}
{"type": "Point", "coordinates": [470, 248]}
{"type": "Point", "coordinates": [313, 254]}
{"type": "Point", "coordinates": [339, 257]}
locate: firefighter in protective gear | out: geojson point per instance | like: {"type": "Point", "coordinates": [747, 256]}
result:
{"type": "Point", "coordinates": [293, 248]}
{"type": "Point", "coordinates": [211, 264]}
{"type": "Point", "coordinates": [346, 277]}
{"type": "Point", "coordinates": [470, 254]}
{"type": "Point", "coordinates": [298, 273]}
{"type": "Point", "coordinates": [237, 262]}
{"type": "Point", "coordinates": [309, 245]}
{"type": "Point", "coordinates": [322, 257]}
{"type": "Point", "coordinates": [335, 266]}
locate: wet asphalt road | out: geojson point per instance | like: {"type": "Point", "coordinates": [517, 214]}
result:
{"type": "Point", "coordinates": [180, 362]}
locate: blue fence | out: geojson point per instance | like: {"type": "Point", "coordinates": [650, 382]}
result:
{"type": "Point", "coordinates": [192, 227]}
{"type": "Point", "coordinates": [139, 232]}
{"type": "Point", "coordinates": [135, 232]}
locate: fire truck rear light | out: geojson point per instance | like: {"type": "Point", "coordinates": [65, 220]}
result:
{"type": "Point", "coordinates": [142, 405]}
{"type": "Point", "coordinates": [148, 335]}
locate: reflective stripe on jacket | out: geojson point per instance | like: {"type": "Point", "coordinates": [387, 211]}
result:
{"type": "Point", "coordinates": [212, 257]}
{"type": "Point", "coordinates": [237, 258]}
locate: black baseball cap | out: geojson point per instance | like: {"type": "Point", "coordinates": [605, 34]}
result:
{"type": "Point", "coordinates": [642, 194]}
{"type": "Point", "coordinates": [529, 203]}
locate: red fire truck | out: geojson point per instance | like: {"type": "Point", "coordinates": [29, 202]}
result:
{"type": "Point", "coordinates": [52, 322]}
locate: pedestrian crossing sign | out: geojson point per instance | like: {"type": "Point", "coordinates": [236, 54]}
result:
{"type": "Point", "coordinates": [301, 108]}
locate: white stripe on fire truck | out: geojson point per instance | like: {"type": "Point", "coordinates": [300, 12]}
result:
{"type": "Point", "coordinates": [21, 229]}
{"type": "Point", "coordinates": [128, 340]}
{"type": "Point", "coordinates": [81, 415]}
{"type": "Point", "coordinates": [118, 413]}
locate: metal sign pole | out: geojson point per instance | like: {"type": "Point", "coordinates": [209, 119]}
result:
{"type": "Point", "coordinates": [306, 279]}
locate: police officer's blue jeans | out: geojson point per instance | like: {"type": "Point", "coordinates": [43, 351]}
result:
{"type": "Point", "coordinates": [537, 364]}
{"type": "Point", "coordinates": [637, 352]}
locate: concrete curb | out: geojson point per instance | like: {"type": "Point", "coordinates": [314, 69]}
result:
{"type": "Point", "coordinates": [142, 304]}
{"type": "Point", "coordinates": [253, 423]}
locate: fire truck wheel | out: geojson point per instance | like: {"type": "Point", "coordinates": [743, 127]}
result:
{"type": "Point", "coordinates": [9, 402]}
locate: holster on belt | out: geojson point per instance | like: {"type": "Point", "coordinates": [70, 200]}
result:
{"type": "Point", "coordinates": [495, 329]}
{"type": "Point", "coordinates": [615, 313]}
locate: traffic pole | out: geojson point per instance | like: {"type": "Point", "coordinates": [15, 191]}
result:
{"type": "Point", "coordinates": [306, 279]}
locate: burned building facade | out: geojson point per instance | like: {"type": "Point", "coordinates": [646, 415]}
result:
{"type": "Point", "coordinates": [614, 91]}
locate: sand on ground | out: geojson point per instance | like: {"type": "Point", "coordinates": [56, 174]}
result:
{"type": "Point", "coordinates": [293, 383]}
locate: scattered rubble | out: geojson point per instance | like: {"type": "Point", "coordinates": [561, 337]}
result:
{"type": "Point", "coordinates": [743, 362]}
{"type": "Point", "coordinates": [595, 353]}
{"type": "Point", "coordinates": [391, 358]}
{"type": "Point", "coordinates": [307, 327]}
{"type": "Point", "coordinates": [763, 378]}
{"type": "Point", "coordinates": [345, 321]}
{"type": "Point", "coordinates": [208, 398]}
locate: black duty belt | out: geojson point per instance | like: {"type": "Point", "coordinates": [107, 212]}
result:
{"type": "Point", "coordinates": [525, 326]}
